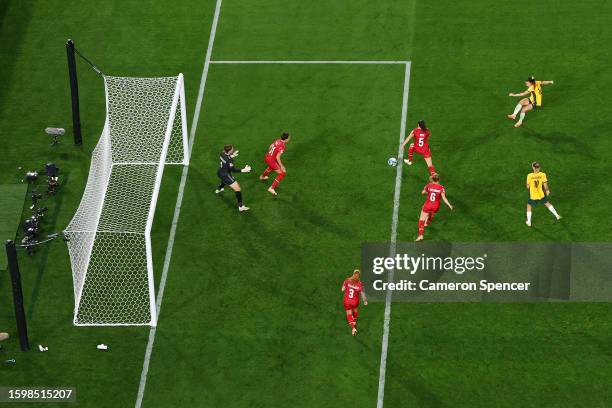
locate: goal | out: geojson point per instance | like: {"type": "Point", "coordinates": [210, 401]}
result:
{"type": "Point", "coordinates": [109, 237]}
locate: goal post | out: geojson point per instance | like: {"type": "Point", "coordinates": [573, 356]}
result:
{"type": "Point", "coordinates": [109, 237]}
{"type": "Point", "coordinates": [158, 177]}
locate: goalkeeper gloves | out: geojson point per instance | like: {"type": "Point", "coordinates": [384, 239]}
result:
{"type": "Point", "coordinates": [246, 169]}
{"type": "Point", "coordinates": [235, 154]}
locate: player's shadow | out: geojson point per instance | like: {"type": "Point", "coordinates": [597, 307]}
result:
{"type": "Point", "coordinates": [227, 196]}
{"type": "Point", "coordinates": [258, 226]}
{"type": "Point", "coordinates": [318, 220]}
{"type": "Point", "coordinates": [573, 236]}
{"type": "Point", "coordinates": [543, 231]}
{"type": "Point", "coordinates": [484, 221]}
{"type": "Point", "coordinates": [477, 140]}
{"type": "Point", "coordinates": [412, 386]}
{"type": "Point", "coordinates": [251, 235]}
{"type": "Point", "coordinates": [562, 142]}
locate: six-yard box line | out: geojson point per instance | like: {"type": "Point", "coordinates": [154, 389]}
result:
{"type": "Point", "coordinates": [396, 197]}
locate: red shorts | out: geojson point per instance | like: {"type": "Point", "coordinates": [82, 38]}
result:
{"type": "Point", "coordinates": [350, 306]}
{"type": "Point", "coordinates": [424, 151]}
{"type": "Point", "coordinates": [272, 163]}
{"type": "Point", "coordinates": [431, 207]}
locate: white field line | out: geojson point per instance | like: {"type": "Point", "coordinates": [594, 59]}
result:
{"type": "Point", "coordinates": [311, 62]}
{"type": "Point", "coordinates": [177, 208]}
{"type": "Point", "coordinates": [394, 220]}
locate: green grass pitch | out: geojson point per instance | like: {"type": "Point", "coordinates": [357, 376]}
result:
{"type": "Point", "coordinates": [252, 313]}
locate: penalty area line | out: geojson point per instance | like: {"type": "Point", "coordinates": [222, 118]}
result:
{"type": "Point", "coordinates": [314, 62]}
{"type": "Point", "coordinates": [177, 208]}
{"type": "Point", "coordinates": [394, 220]}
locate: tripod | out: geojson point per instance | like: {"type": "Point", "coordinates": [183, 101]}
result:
{"type": "Point", "coordinates": [55, 133]}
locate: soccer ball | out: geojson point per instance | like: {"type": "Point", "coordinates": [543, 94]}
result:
{"type": "Point", "coordinates": [392, 161]}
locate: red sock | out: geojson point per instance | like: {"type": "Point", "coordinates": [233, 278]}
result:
{"type": "Point", "coordinates": [351, 320]}
{"type": "Point", "coordinates": [432, 170]}
{"type": "Point", "coordinates": [421, 227]}
{"type": "Point", "coordinates": [430, 219]}
{"type": "Point", "coordinates": [278, 179]}
{"type": "Point", "coordinates": [355, 314]}
{"type": "Point", "coordinates": [410, 151]}
{"type": "Point", "coordinates": [266, 172]}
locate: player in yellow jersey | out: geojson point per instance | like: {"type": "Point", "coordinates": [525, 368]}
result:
{"type": "Point", "coordinates": [537, 184]}
{"type": "Point", "coordinates": [534, 90]}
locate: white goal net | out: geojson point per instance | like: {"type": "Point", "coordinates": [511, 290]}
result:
{"type": "Point", "coordinates": [109, 237]}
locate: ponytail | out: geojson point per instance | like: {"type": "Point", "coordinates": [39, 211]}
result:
{"type": "Point", "coordinates": [355, 277]}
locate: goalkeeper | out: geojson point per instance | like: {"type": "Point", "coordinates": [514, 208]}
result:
{"type": "Point", "coordinates": [225, 170]}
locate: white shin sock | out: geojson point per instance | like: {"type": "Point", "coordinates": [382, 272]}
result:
{"type": "Point", "coordinates": [552, 210]}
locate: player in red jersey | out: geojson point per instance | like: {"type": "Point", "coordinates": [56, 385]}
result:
{"type": "Point", "coordinates": [434, 191]}
{"type": "Point", "coordinates": [273, 160]}
{"type": "Point", "coordinates": [352, 288]}
{"type": "Point", "coordinates": [420, 145]}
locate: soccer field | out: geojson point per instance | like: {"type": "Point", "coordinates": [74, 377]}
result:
{"type": "Point", "coordinates": [251, 312]}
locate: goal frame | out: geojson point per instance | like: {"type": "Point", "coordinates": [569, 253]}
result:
{"type": "Point", "coordinates": [179, 98]}
{"type": "Point", "coordinates": [178, 106]}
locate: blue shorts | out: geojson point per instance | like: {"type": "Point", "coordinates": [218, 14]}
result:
{"type": "Point", "coordinates": [535, 203]}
